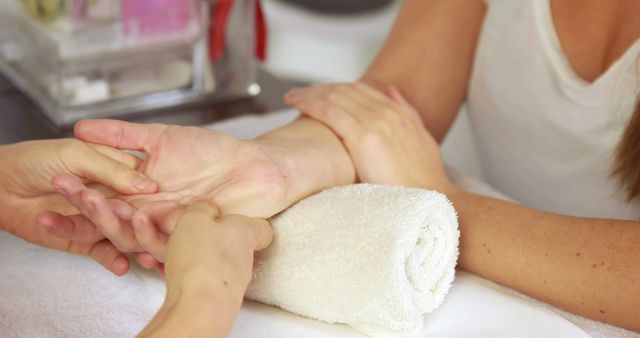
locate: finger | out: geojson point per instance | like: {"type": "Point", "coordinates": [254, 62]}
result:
{"type": "Point", "coordinates": [146, 260]}
{"type": "Point", "coordinates": [397, 97]}
{"type": "Point", "coordinates": [118, 134]}
{"type": "Point", "coordinates": [71, 188]}
{"type": "Point", "coordinates": [350, 101]}
{"type": "Point", "coordinates": [150, 239]}
{"type": "Point", "coordinates": [161, 269]}
{"type": "Point", "coordinates": [374, 102]}
{"type": "Point", "coordinates": [338, 99]}
{"type": "Point", "coordinates": [370, 92]}
{"type": "Point", "coordinates": [294, 94]}
{"type": "Point", "coordinates": [101, 214]}
{"type": "Point", "coordinates": [122, 209]}
{"type": "Point", "coordinates": [115, 174]}
{"type": "Point", "coordinates": [338, 120]}
{"type": "Point", "coordinates": [93, 205]}
{"type": "Point", "coordinates": [202, 208]}
{"type": "Point", "coordinates": [260, 230]}
{"type": "Point", "coordinates": [262, 233]}
{"type": "Point", "coordinates": [165, 214]}
{"type": "Point", "coordinates": [108, 256]}
{"type": "Point", "coordinates": [130, 160]}
{"type": "Point", "coordinates": [74, 227]}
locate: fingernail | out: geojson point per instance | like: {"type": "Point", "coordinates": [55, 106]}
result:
{"type": "Point", "coordinates": [141, 183]}
{"type": "Point", "coordinates": [45, 226]}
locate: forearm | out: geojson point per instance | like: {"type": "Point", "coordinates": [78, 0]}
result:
{"type": "Point", "coordinates": [429, 55]}
{"type": "Point", "coordinates": [586, 266]}
{"type": "Point", "coordinates": [313, 156]}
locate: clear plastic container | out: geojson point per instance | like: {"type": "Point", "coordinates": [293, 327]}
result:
{"type": "Point", "coordinates": [105, 58]}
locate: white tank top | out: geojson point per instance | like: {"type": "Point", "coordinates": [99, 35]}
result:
{"type": "Point", "coordinates": [545, 136]}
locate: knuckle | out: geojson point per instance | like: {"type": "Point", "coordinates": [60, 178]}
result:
{"type": "Point", "coordinates": [119, 168]}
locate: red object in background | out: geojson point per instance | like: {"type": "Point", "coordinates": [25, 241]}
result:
{"type": "Point", "coordinates": [218, 30]}
{"type": "Point", "coordinates": [261, 33]}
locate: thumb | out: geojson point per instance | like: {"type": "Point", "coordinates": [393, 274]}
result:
{"type": "Point", "coordinates": [96, 167]}
{"type": "Point", "coordinates": [119, 134]}
{"type": "Point", "coordinates": [263, 233]}
{"type": "Point", "coordinates": [259, 229]}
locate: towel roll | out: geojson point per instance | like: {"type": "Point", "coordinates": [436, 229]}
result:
{"type": "Point", "coordinates": [374, 257]}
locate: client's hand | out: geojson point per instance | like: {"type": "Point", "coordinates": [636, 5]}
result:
{"type": "Point", "coordinates": [384, 134]}
{"type": "Point", "coordinates": [189, 163]}
{"type": "Point", "coordinates": [27, 171]}
{"type": "Point", "coordinates": [208, 268]}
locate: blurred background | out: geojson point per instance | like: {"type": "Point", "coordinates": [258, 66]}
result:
{"type": "Point", "coordinates": [189, 62]}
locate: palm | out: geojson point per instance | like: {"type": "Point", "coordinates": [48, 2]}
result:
{"type": "Point", "coordinates": [190, 163]}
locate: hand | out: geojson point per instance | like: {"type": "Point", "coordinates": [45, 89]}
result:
{"type": "Point", "coordinates": [26, 175]}
{"type": "Point", "coordinates": [383, 134]}
{"type": "Point", "coordinates": [208, 268]}
{"type": "Point", "coordinates": [189, 163]}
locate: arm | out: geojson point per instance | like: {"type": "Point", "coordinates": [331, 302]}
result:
{"type": "Point", "coordinates": [428, 56]}
{"type": "Point", "coordinates": [312, 156]}
{"type": "Point", "coordinates": [438, 40]}
{"type": "Point", "coordinates": [305, 156]}
{"type": "Point", "coordinates": [585, 266]}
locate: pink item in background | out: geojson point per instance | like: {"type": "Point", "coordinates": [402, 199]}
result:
{"type": "Point", "coordinates": [154, 18]}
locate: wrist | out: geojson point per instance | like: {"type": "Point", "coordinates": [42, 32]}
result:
{"type": "Point", "coordinates": [311, 156]}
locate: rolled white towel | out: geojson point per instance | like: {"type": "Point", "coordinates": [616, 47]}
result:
{"type": "Point", "coordinates": [374, 257]}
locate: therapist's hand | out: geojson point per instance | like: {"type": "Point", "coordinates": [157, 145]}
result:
{"type": "Point", "coordinates": [383, 134]}
{"type": "Point", "coordinates": [27, 171]}
{"type": "Point", "coordinates": [208, 268]}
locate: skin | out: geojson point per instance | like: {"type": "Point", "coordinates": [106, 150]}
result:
{"type": "Point", "coordinates": [205, 295]}
{"type": "Point", "coordinates": [587, 266]}
{"type": "Point", "coordinates": [27, 171]}
{"type": "Point", "coordinates": [584, 265]}
{"type": "Point", "coordinates": [258, 178]}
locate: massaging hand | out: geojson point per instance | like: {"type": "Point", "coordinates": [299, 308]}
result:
{"type": "Point", "coordinates": [208, 268]}
{"type": "Point", "coordinates": [383, 134]}
{"type": "Point", "coordinates": [26, 174]}
{"type": "Point", "coordinates": [189, 163]}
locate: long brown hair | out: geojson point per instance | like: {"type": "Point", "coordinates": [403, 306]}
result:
{"type": "Point", "coordinates": [627, 162]}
